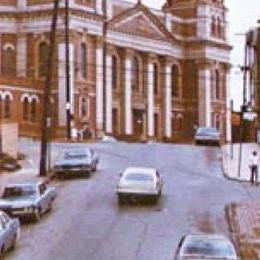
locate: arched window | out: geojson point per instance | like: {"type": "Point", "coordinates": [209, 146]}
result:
{"type": "Point", "coordinates": [179, 123]}
{"type": "Point", "coordinates": [217, 122]}
{"type": "Point", "coordinates": [84, 59]}
{"type": "Point", "coordinates": [8, 63]}
{"type": "Point", "coordinates": [43, 59]}
{"type": "Point", "coordinates": [33, 110]}
{"type": "Point", "coordinates": [213, 26]}
{"type": "Point", "coordinates": [135, 73]}
{"type": "Point", "coordinates": [175, 81]}
{"type": "Point", "coordinates": [84, 108]}
{"type": "Point", "coordinates": [217, 85]}
{"type": "Point", "coordinates": [26, 109]}
{"type": "Point", "coordinates": [7, 107]}
{"type": "Point", "coordinates": [114, 72]}
{"type": "Point", "coordinates": [156, 79]}
{"type": "Point", "coordinates": [219, 28]}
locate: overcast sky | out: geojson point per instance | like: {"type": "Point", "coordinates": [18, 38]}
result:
{"type": "Point", "coordinates": [241, 17]}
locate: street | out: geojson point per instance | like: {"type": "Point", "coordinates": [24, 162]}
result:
{"type": "Point", "coordinates": [87, 223]}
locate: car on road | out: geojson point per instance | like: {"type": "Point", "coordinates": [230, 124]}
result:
{"type": "Point", "coordinates": [75, 162]}
{"type": "Point", "coordinates": [137, 182]}
{"type": "Point", "coordinates": [27, 199]}
{"type": "Point", "coordinates": [205, 246]}
{"type": "Point", "coordinates": [9, 233]}
{"type": "Point", "coordinates": [207, 135]}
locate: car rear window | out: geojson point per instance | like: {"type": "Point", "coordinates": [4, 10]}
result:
{"type": "Point", "coordinates": [138, 177]}
{"type": "Point", "coordinates": [214, 248]}
{"type": "Point", "coordinates": [75, 155]}
{"type": "Point", "coordinates": [19, 191]}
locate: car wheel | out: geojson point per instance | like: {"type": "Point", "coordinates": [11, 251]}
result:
{"type": "Point", "coordinates": [121, 200]}
{"type": "Point", "coordinates": [37, 214]}
{"type": "Point", "coordinates": [2, 251]}
{"type": "Point", "coordinates": [155, 198]}
{"type": "Point", "coordinates": [14, 242]}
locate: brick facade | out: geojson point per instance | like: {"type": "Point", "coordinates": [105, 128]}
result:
{"type": "Point", "coordinates": [155, 74]}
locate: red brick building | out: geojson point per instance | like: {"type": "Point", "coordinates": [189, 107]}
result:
{"type": "Point", "coordinates": [166, 70]}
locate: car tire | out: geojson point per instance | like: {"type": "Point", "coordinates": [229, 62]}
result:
{"type": "Point", "coordinates": [37, 214]}
{"type": "Point", "coordinates": [2, 251]}
{"type": "Point", "coordinates": [14, 242]}
{"type": "Point", "coordinates": [121, 200]}
{"type": "Point", "coordinates": [155, 198]}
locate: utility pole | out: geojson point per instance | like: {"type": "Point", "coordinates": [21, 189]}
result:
{"type": "Point", "coordinates": [46, 94]}
{"type": "Point", "coordinates": [245, 69]}
{"type": "Point", "coordinates": [68, 99]}
{"type": "Point", "coordinates": [104, 64]}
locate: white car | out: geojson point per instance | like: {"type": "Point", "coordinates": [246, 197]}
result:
{"type": "Point", "coordinates": [207, 135]}
{"type": "Point", "coordinates": [205, 246]}
{"type": "Point", "coordinates": [139, 182]}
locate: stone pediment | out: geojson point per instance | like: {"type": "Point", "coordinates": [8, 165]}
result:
{"type": "Point", "coordinates": [140, 22]}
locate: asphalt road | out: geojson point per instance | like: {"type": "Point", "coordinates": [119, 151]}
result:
{"type": "Point", "coordinates": [88, 224]}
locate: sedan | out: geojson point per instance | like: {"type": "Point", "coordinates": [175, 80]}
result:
{"type": "Point", "coordinates": [137, 182]}
{"type": "Point", "coordinates": [207, 135]}
{"type": "Point", "coordinates": [9, 233]}
{"type": "Point", "coordinates": [76, 161]}
{"type": "Point", "coordinates": [205, 246]}
{"type": "Point", "coordinates": [27, 200]}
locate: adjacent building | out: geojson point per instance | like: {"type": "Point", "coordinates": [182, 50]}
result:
{"type": "Point", "coordinates": [165, 70]}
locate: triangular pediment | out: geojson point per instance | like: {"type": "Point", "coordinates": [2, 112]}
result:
{"type": "Point", "coordinates": [139, 22]}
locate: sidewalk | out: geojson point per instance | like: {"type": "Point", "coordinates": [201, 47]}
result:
{"type": "Point", "coordinates": [244, 224]}
{"type": "Point", "coordinates": [231, 164]}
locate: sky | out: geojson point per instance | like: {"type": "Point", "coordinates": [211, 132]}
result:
{"type": "Point", "coordinates": [242, 15]}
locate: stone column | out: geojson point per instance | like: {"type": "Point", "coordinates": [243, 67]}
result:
{"type": "Point", "coordinates": [204, 96]}
{"type": "Point", "coordinates": [128, 97]}
{"type": "Point", "coordinates": [109, 97]}
{"type": "Point", "coordinates": [21, 63]}
{"type": "Point", "coordinates": [99, 7]}
{"type": "Point", "coordinates": [99, 90]}
{"type": "Point", "coordinates": [168, 102]}
{"type": "Point", "coordinates": [62, 82]}
{"type": "Point", "coordinates": [150, 99]}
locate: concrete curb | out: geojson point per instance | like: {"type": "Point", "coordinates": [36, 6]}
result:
{"type": "Point", "coordinates": [225, 171]}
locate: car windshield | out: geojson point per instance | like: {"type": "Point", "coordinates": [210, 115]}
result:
{"type": "Point", "coordinates": [213, 248]}
{"type": "Point", "coordinates": [74, 155]}
{"type": "Point", "coordinates": [19, 191]}
{"type": "Point", "coordinates": [207, 130]}
{"type": "Point", "coordinates": [138, 177]}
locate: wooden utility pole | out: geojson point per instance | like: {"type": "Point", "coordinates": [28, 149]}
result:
{"type": "Point", "coordinates": [104, 64]}
{"type": "Point", "coordinates": [46, 94]}
{"type": "Point", "coordinates": [68, 92]}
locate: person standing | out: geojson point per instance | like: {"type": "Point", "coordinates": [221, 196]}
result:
{"type": "Point", "coordinates": [253, 164]}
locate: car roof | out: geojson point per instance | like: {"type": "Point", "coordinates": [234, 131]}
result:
{"type": "Point", "coordinates": [143, 170]}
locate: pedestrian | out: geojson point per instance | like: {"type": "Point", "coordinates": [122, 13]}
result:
{"type": "Point", "coordinates": [253, 164]}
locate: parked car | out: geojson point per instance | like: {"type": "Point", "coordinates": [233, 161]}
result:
{"type": "Point", "coordinates": [137, 182]}
{"type": "Point", "coordinates": [205, 246]}
{"type": "Point", "coordinates": [207, 135]}
{"type": "Point", "coordinates": [27, 200]}
{"type": "Point", "coordinates": [76, 161]}
{"type": "Point", "coordinates": [9, 233]}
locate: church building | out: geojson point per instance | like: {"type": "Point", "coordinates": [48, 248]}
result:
{"type": "Point", "coordinates": [165, 70]}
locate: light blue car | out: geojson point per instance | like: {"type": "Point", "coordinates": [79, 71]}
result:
{"type": "Point", "coordinates": [9, 233]}
{"type": "Point", "coordinates": [27, 200]}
